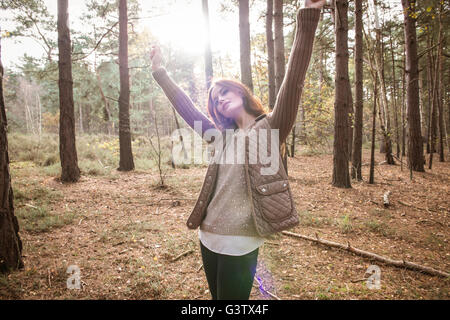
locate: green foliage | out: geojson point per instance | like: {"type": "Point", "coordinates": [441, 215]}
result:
{"type": "Point", "coordinates": [95, 50]}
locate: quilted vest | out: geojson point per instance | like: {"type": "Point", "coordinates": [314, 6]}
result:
{"type": "Point", "coordinates": [273, 208]}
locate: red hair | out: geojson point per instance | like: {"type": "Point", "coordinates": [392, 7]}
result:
{"type": "Point", "coordinates": [252, 105]}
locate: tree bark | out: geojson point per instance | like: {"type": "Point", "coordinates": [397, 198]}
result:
{"type": "Point", "coordinates": [350, 120]}
{"type": "Point", "coordinates": [341, 176]}
{"type": "Point", "coordinates": [270, 53]}
{"type": "Point", "coordinates": [385, 121]}
{"type": "Point", "coordinates": [67, 147]}
{"type": "Point", "coordinates": [359, 77]}
{"type": "Point", "coordinates": [10, 242]}
{"type": "Point", "coordinates": [404, 104]}
{"type": "Point", "coordinates": [244, 40]}
{"type": "Point", "coordinates": [280, 61]}
{"type": "Point", "coordinates": [126, 155]}
{"type": "Point", "coordinates": [430, 92]}
{"type": "Point", "coordinates": [415, 145]}
{"type": "Point", "coordinates": [394, 96]}
{"type": "Point", "coordinates": [439, 88]}
{"type": "Point", "coordinates": [374, 120]}
{"type": "Point", "coordinates": [434, 110]}
{"type": "Point", "coordinates": [208, 54]}
{"type": "Point", "coordinates": [293, 141]}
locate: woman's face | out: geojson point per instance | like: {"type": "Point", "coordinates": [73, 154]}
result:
{"type": "Point", "coordinates": [227, 102]}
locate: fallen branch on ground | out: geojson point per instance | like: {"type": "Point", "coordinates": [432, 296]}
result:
{"type": "Point", "coordinates": [414, 207]}
{"type": "Point", "coordinates": [182, 255]}
{"type": "Point", "coordinates": [359, 280]}
{"type": "Point", "coordinates": [388, 261]}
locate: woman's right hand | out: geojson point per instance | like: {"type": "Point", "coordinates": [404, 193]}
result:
{"type": "Point", "coordinates": [156, 57]}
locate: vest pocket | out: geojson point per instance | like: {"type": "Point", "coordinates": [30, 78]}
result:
{"type": "Point", "coordinates": [275, 201]}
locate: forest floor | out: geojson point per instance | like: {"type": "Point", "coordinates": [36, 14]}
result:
{"type": "Point", "coordinates": [124, 233]}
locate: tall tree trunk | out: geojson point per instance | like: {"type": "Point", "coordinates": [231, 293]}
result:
{"type": "Point", "coordinates": [433, 123]}
{"type": "Point", "coordinates": [67, 147]}
{"type": "Point", "coordinates": [404, 103]}
{"type": "Point", "coordinates": [394, 96]}
{"type": "Point", "coordinates": [244, 37]}
{"type": "Point", "coordinates": [350, 119]}
{"type": "Point", "coordinates": [177, 123]}
{"type": "Point", "coordinates": [270, 53]}
{"type": "Point", "coordinates": [341, 176]}
{"type": "Point", "coordinates": [422, 104]}
{"type": "Point", "coordinates": [106, 111]}
{"type": "Point", "coordinates": [432, 128]}
{"type": "Point", "coordinates": [10, 242]}
{"type": "Point", "coordinates": [80, 117]}
{"type": "Point", "coordinates": [385, 121]}
{"type": "Point", "coordinates": [374, 120]}
{"type": "Point", "coordinates": [435, 107]}
{"type": "Point", "coordinates": [87, 118]}
{"type": "Point", "coordinates": [293, 141]}
{"type": "Point", "coordinates": [439, 87]}
{"type": "Point", "coordinates": [359, 77]}
{"type": "Point", "coordinates": [429, 91]}
{"type": "Point", "coordinates": [415, 145]}
{"type": "Point", "coordinates": [280, 60]}
{"type": "Point", "coordinates": [208, 54]}
{"type": "Point", "coordinates": [321, 58]}
{"type": "Point", "coordinates": [126, 154]}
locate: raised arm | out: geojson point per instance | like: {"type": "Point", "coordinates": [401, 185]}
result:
{"type": "Point", "coordinates": [177, 97]}
{"type": "Point", "coordinates": [285, 110]}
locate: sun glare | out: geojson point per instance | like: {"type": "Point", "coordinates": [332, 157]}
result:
{"type": "Point", "coordinates": [184, 28]}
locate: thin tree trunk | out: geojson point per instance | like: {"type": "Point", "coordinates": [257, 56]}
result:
{"type": "Point", "coordinates": [293, 141]}
{"type": "Point", "coordinates": [384, 106]}
{"type": "Point", "coordinates": [270, 53]}
{"type": "Point", "coordinates": [244, 36]}
{"type": "Point", "coordinates": [350, 119]}
{"type": "Point", "coordinates": [126, 154]}
{"type": "Point", "coordinates": [181, 136]}
{"type": "Point", "coordinates": [423, 123]}
{"type": "Point", "coordinates": [430, 92]}
{"type": "Point", "coordinates": [374, 120]}
{"type": "Point", "coordinates": [439, 87]}
{"type": "Point", "coordinates": [433, 126]}
{"type": "Point", "coordinates": [80, 117]}
{"type": "Point", "coordinates": [280, 60]}
{"type": "Point", "coordinates": [394, 96]}
{"type": "Point", "coordinates": [208, 54]}
{"type": "Point", "coordinates": [404, 104]}
{"type": "Point", "coordinates": [415, 150]}
{"type": "Point", "coordinates": [358, 127]}
{"type": "Point", "coordinates": [106, 111]}
{"type": "Point", "coordinates": [432, 110]}
{"type": "Point", "coordinates": [67, 147]}
{"type": "Point", "coordinates": [341, 176]}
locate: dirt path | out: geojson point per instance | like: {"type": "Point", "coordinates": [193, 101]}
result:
{"type": "Point", "coordinates": [125, 233]}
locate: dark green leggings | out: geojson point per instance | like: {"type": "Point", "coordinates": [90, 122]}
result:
{"type": "Point", "coordinates": [229, 277]}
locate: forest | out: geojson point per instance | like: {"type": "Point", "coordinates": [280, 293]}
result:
{"type": "Point", "coordinates": [93, 202]}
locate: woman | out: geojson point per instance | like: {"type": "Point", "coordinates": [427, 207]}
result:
{"type": "Point", "coordinates": [240, 204]}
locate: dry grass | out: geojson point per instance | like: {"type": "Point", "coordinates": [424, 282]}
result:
{"type": "Point", "coordinates": [123, 232]}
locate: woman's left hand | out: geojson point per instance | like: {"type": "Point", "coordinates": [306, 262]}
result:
{"type": "Point", "coordinates": [315, 3]}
